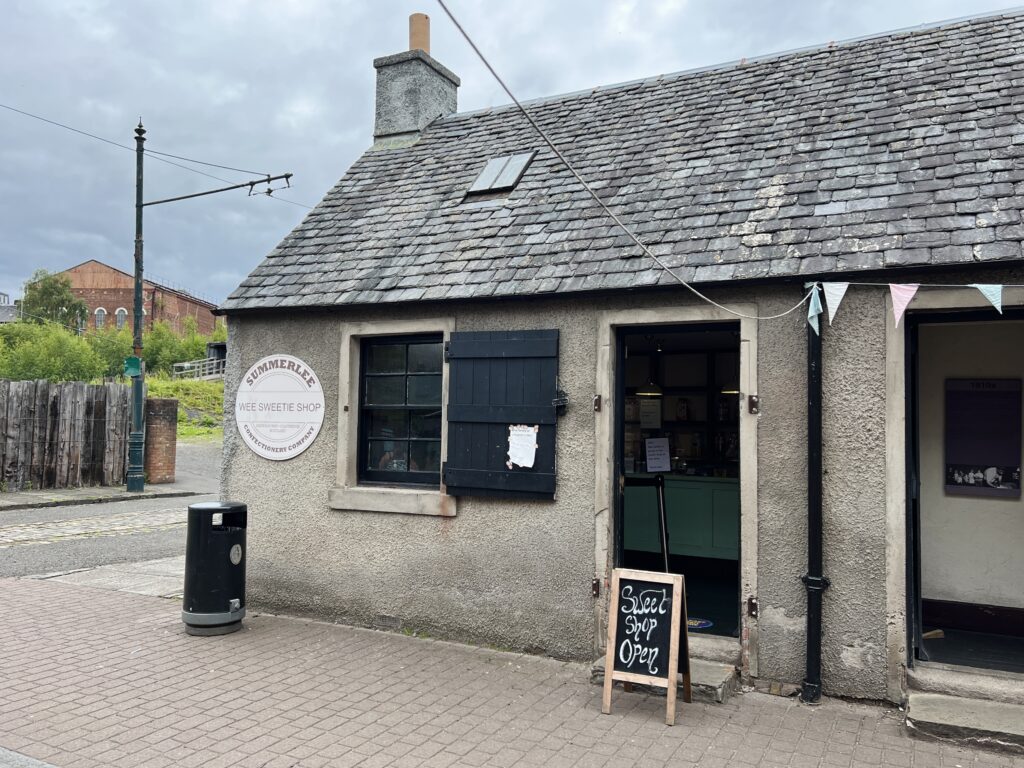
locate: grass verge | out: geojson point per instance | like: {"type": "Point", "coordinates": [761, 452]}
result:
{"type": "Point", "coordinates": [200, 406]}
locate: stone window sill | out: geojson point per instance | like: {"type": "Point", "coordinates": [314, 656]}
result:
{"type": "Point", "coordinates": [405, 501]}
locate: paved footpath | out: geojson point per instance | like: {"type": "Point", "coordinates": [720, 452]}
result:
{"type": "Point", "coordinates": [91, 677]}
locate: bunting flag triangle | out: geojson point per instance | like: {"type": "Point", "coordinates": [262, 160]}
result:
{"type": "Point", "coordinates": [902, 294]}
{"type": "Point", "coordinates": [834, 293]}
{"type": "Point", "coordinates": [814, 309]}
{"type": "Point", "coordinates": [994, 294]}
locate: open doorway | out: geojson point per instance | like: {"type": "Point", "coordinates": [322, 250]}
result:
{"type": "Point", "coordinates": [966, 512]}
{"type": "Point", "coordinates": [678, 418]}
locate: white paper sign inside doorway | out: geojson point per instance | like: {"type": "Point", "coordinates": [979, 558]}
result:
{"type": "Point", "coordinates": [650, 413]}
{"type": "Point", "coordinates": [658, 458]}
{"type": "Point", "coordinates": [522, 445]}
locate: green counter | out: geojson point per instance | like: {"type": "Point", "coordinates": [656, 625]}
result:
{"type": "Point", "coordinates": [703, 517]}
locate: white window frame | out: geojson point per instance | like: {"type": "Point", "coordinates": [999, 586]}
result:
{"type": "Point", "coordinates": [118, 311]}
{"type": "Point", "coordinates": [97, 313]}
{"type": "Point", "coordinates": [347, 493]}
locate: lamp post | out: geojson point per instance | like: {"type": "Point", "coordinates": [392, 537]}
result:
{"type": "Point", "coordinates": [133, 366]}
{"type": "Point", "coordinates": [137, 438]}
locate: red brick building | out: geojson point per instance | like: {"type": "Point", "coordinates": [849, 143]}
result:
{"type": "Point", "coordinates": [110, 295]}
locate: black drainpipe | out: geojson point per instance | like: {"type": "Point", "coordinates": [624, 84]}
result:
{"type": "Point", "coordinates": [815, 582]}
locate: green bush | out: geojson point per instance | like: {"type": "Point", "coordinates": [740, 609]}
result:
{"type": "Point", "coordinates": [51, 351]}
{"type": "Point", "coordinates": [112, 346]}
{"type": "Point", "coordinates": [47, 352]}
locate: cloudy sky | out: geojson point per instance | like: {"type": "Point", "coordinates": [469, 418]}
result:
{"type": "Point", "coordinates": [280, 86]}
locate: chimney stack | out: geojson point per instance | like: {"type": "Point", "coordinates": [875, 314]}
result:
{"type": "Point", "coordinates": [412, 88]}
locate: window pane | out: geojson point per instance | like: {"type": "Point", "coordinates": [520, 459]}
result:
{"type": "Point", "coordinates": [387, 423]}
{"type": "Point", "coordinates": [385, 390]}
{"type": "Point", "coordinates": [424, 390]}
{"type": "Point", "coordinates": [386, 358]}
{"type": "Point", "coordinates": [425, 424]}
{"type": "Point", "coordinates": [388, 455]}
{"type": "Point", "coordinates": [424, 358]}
{"type": "Point", "coordinates": [425, 456]}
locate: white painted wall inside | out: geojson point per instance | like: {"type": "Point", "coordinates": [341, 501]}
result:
{"type": "Point", "coordinates": [972, 548]}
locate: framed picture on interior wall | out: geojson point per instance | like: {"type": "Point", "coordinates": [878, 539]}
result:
{"type": "Point", "coordinates": [983, 437]}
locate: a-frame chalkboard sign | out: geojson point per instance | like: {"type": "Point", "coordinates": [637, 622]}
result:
{"type": "Point", "coordinates": [646, 628]}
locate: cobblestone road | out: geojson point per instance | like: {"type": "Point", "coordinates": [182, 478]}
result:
{"type": "Point", "coordinates": [120, 524]}
{"type": "Point", "coordinates": [95, 678]}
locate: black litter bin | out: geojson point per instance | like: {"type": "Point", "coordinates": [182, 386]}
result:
{"type": "Point", "coordinates": [214, 601]}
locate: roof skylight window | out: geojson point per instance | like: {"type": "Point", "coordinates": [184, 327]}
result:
{"type": "Point", "coordinates": [502, 173]}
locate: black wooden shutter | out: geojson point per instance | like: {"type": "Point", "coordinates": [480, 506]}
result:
{"type": "Point", "coordinates": [497, 379]}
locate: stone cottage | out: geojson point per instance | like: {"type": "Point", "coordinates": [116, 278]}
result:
{"type": "Point", "coordinates": [458, 281]}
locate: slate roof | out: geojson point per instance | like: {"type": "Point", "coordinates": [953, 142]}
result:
{"type": "Point", "coordinates": [897, 150]}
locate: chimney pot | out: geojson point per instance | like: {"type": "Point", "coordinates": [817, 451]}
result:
{"type": "Point", "coordinates": [419, 32]}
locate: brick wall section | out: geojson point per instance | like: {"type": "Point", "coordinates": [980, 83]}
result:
{"type": "Point", "coordinates": [161, 439]}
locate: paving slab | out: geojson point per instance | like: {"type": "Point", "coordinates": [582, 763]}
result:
{"type": "Point", "coordinates": [94, 677]}
{"type": "Point", "coordinates": [159, 578]}
{"type": "Point", "coordinates": [10, 759]}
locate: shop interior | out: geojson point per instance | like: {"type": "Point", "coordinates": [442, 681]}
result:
{"type": "Point", "coordinates": [679, 418]}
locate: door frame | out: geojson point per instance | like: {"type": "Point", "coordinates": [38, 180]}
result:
{"type": "Point", "coordinates": [915, 648]}
{"type": "Point", "coordinates": [899, 534]}
{"type": "Point", "coordinates": [606, 445]}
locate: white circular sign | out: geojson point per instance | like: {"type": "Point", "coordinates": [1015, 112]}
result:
{"type": "Point", "coordinates": [279, 408]}
{"type": "Point", "coordinates": [235, 555]}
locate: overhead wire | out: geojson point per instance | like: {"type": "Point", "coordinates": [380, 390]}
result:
{"type": "Point", "coordinates": [597, 198]}
{"type": "Point", "coordinates": [159, 156]}
{"type": "Point", "coordinates": [212, 165]}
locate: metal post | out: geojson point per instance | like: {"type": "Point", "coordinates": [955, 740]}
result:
{"type": "Point", "coordinates": [137, 437]}
{"type": "Point", "coordinates": [662, 519]}
{"type": "Point", "coordinates": [814, 581]}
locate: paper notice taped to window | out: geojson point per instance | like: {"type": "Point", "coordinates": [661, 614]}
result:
{"type": "Point", "coordinates": [659, 458]}
{"type": "Point", "coordinates": [522, 445]}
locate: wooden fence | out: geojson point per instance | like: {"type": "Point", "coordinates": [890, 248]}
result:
{"type": "Point", "coordinates": [63, 435]}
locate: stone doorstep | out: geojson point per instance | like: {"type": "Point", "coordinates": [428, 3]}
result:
{"type": "Point", "coordinates": [710, 681]}
{"type": "Point", "coordinates": [966, 682]}
{"type": "Point", "coordinates": [993, 724]}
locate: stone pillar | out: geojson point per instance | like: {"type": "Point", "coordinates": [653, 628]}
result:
{"type": "Point", "coordinates": [161, 438]}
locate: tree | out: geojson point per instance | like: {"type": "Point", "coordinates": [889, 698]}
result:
{"type": "Point", "coordinates": [192, 344]}
{"type": "Point", "coordinates": [48, 297]}
{"type": "Point", "coordinates": [161, 348]}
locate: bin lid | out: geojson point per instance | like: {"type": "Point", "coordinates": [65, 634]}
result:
{"type": "Point", "coordinates": [212, 507]}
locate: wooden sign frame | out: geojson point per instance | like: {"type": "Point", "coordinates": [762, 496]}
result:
{"type": "Point", "coordinates": [677, 627]}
